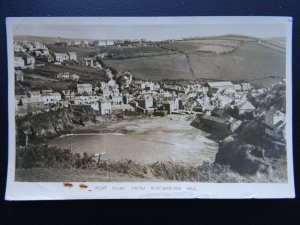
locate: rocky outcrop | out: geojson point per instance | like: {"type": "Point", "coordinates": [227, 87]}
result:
{"type": "Point", "coordinates": [243, 158]}
{"type": "Point", "coordinates": [52, 124]}
{"type": "Point", "coordinates": [250, 151]}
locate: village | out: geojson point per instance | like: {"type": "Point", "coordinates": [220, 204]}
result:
{"type": "Point", "coordinates": [219, 105]}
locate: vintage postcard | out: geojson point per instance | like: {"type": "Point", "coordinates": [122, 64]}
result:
{"type": "Point", "coordinates": [161, 107]}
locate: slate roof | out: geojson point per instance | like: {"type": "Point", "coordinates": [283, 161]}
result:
{"type": "Point", "coordinates": [84, 85]}
{"type": "Point", "coordinates": [220, 84]}
{"type": "Point", "coordinates": [213, 118]}
{"type": "Point", "coordinates": [32, 100]}
{"type": "Point", "coordinates": [244, 105]}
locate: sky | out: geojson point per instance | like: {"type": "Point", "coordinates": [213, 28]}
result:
{"type": "Point", "coordinates": [154, 31]}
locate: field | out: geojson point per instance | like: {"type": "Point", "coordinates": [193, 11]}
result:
{"type": "Point", "coordinates": [214, 46]}
{"type": "Point", "coordinates": [133, 52]}
{"type": "Point", "coordinates": [250, 61]}
{"type": "Point", "coordinates": [179, 47]}
{"type": "Point", "coordinates": [229, 57]}
{"type": "Point", "coordinates": [277, 41]}
{"type": "Point", "coordinates": [217, 42]}
{"type": "Point", "coordinates": [154, 68]}
{"type": "Point", "coordinates": [81, 52]}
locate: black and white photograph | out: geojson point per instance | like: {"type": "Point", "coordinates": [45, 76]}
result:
{"type": "Point", "coordinates": [153, 107]}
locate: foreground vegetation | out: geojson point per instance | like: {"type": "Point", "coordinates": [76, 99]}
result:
{"type": "Point", "coordinates": [49, 159]}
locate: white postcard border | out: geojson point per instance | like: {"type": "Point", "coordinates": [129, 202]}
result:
{"type": "Point", "coordinates": [140, 190]}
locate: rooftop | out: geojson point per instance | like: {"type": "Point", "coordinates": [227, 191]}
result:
{"type": "Point", "coordinates": [275, 112]}
{"type": "Point", "coordinates": [213, 118]}
{"type": "Point", "coordinates": [32, 100]}
{"type": "Point", "coordinates": [35, 92]}
{"type": "Point", "coordinates": [279, 124]}
{"type": "Point", "coordinates": [84, 85]}
{"type": "Point", "coordinates": [220, 83]}
{"type": "Point", "coordinates": [105, 100]}
{"type": "Point", "coordinates": [60, 54]}
{"type": "Point", "coordinates": [244, 104]}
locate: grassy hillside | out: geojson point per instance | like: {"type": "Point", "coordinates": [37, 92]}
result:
{"type": "Point", "coordinates": [248, 62]}
{"type": "Point", "coordinates": [45, 40]}
{"type": "Point", "coordinates": [229, 57]}
{"type": "Point", "coordinates": [154, 68]}
{"type": "Point", "coordinates": [44, 77]}
{"type": "Point", "coordinates": [214, 59]}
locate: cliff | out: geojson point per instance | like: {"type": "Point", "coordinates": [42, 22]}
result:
{"type": "Point", "coordinates": [51, 124]}
{"type": "Point", "coordinates": [251, 151]}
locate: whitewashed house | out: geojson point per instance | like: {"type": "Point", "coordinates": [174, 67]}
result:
{"type": "Point", "coordinates": [222, 101]}
{"type": "Point", "coordinates": [171, 105]}
{"type": "Point", "coordinates": [18, 48]}
{"type": "Point", "coordinates": [19, 75]}
{"type": "Point", "coordinates": [237, 87]}
{"type": "Point", "coordinates": [38, 53]}
{"type": "Point", "coordinates": [38, 45]}
{"type": "Point", "coordinates": [246, 86]}
{"type": "Point", "coordinates": [222, 85]}
{"type": "Point", "coordinates": [30, 103]}
{"type": "Point", "coordinates": [47, 91]}
{"type": "Point", "coordinates": [145, 101]}
{"type": "Point", "coordinates": [106, 92]}
{"type": "Point", "coordinates": [103, 106]}
{"type": "Point", "coordinates": [104, 43]}
{"type": "Point", "coordinates": [45, 52]}
{"type": "Point", "coordinates": [86, 100]}
{"type": "Point", "coordinates": [69, 95]}
{"type": "Point", "coordinates": [72, 56]}
{"type": "Point", "coordinates": [60, 57]}
{"type": "Point", "coordinates": [74, 77]}
{"type": "Point", "coordinates": [117, 99]}
{"type": "Point", "coordinates": [19, 62]}
{"type": "Point", "coordinates": [77, 42]}
{"type": "Point", "coordinates": [51, 98]}
{"type": "Point", "coordinates": [30, 60]}
{"type": "Point", "coordinates": [63, 76]}
{"type": "Point", "coordinates": [275, 122]}
{"type": "Point", "coordinates": [84, 88]}
{"type": "Point", "coordinates": [35, 94]}
{"type": "Point", "coordinates": [111, 82]}
{"type": "Point", "coordinates": [148, 86]}
{"type": "Point", "coordinates": [243, 107]}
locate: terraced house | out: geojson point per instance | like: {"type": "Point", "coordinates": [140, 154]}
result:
{"type": "Point", "coordinates": [51, 98]}
{"type": "Point", "coordinates": [84, 88]}
{"type": "Point", "coordinates": [60, 57]}
{"type": "Point", "coordinates": [72, 56]}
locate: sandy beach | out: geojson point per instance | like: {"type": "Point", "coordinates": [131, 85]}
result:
{"type": "Point", "coordinates": [144, 140]}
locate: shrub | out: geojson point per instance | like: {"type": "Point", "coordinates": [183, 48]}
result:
{"type": "Point", "coordinates": [44, 156]}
